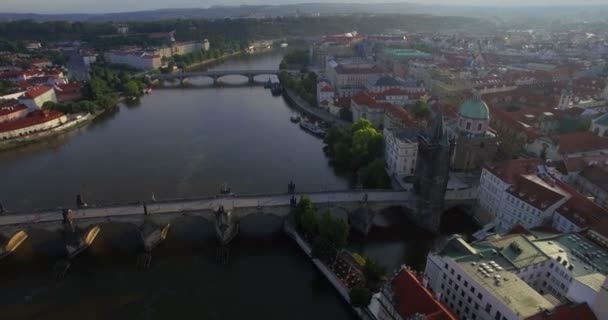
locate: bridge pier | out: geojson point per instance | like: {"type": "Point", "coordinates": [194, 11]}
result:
{"type": "Point", "coordinates": [216, 80]}
{"type": "Point", "coordinates": [225, 226]}
{"type": "Point", "coordinates": [76, 240]}
{"type": "Point", "coordinates": [362, 219]}
{"type": "Point", "coordinates": [251, 79]}
{"type": "Point", "coordinates": [152, 234]}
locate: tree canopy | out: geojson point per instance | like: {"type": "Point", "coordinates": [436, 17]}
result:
{"type": "Point", "coordinates": [360, 150]}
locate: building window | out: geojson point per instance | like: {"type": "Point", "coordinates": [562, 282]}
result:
{"type": "Point", "coordinates": [458, 277]}
{"type": "Point", "coordinates": [498, 315]}
{"type": "Point", "coordinates": [480, 296]}
{"type": "Point", "coordinates": [479, 127]}
{"type": "Point", "coordinates": [466, 283]}
{"type": "Point", "coordinates": [488, 307]}
{"type": "Point", "coordinates": [468, 126]}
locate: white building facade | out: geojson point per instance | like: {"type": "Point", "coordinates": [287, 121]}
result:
{"type": "Point", "coordinates": [401, 151]}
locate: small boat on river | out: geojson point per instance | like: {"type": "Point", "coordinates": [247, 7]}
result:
{"type": "Point", "coordinates": [312, 128]}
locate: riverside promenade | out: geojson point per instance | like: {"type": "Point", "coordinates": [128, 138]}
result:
{"type": "Point", "coordinates": [294, 98]}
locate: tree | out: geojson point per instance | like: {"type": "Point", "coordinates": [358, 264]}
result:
{"type": "Point", "coordinates": [374, 175]}
{"type": "Point", "coordinates": [96, 88]}
{"type": "Point", "coordinates": [333, 230]}
{"type": "Point", "coordinates": [50, 105]}
{"type": "Point", "coordinates": [85, 106]}
{"type": "Point", "coordinates": [421, 110]}
{"type": "Point", "coordinates": [305, 216]}
{"type": "Point", "coordinates": [373, 272]}
{"type": "Point", "coordinates": [107, 101]}
{"type": "Point", "coordinates": [131, 89]}
{"type": "Point", "coordinates": [360, 296]}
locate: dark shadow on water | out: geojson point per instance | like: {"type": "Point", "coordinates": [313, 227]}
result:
{"type": "Point", "coordinates": [456, 220]}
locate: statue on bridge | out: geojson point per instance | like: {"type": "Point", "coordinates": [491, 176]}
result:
{"type": "Point", "coordinates": [2, 211]}
{"type": "Point", "coordinates": [291, 187]}
{"type": "Point", "coordinates": [80, 201]}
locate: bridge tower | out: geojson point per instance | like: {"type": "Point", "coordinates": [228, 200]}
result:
{"type": "Point", "coordinates": [432, 174]}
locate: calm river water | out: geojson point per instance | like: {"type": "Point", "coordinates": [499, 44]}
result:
{"type": "Point", "coordinates": [181, 143]}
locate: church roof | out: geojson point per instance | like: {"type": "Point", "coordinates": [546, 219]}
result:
{"type": "Point", "coordinates": [474, 109]}
{"type": "Point", "coordinates": [602, 121]}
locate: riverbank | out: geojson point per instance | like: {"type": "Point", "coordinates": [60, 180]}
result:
{"type": "Point", "coordinates": [212, 60]}
{"type": "Point", "coordinates": [301, 104]}
{"type": "Point", "coordinates": [78, 122]}
{"type": "Point", "coordinates": [327, 273]}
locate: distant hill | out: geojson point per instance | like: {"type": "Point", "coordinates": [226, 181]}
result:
{"type": "Point", "coordinates": [562, 13]}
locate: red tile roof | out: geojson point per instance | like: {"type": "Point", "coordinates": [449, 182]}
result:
{"type": "Point", "coordinates": [580, 142]}
{"type": "Point", "coordinates": [37, 91]}
{"type": "Point", "coordinates": [362, 98]}
{"type": "Point", "coordinates": [580, 210]}
{"type": "Point", "coordinates": [34, 118]}
{"type": "Point", "coordinates": [508, 170]}
{"type": "Point", "coordinates": [411, 297]}
{"type": "Point", "coordinates": [327, 88]}
{"type": "Point", "coordinates": [69, 87]}
{"type": "Point", "coordinates": [10, 106]}
{"type": "Point", "coordinates": [530, 190]}
{"type": "Point", "coordinates": [566, 312]}
{"type": "Point", "coordinates": [341, 69]}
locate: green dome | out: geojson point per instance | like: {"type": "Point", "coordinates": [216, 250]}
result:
{"type": "Point", "coordinates": [474, 109]}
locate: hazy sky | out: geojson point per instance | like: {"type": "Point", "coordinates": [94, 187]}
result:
{"type": "Point", "coordinates": [98, 6]}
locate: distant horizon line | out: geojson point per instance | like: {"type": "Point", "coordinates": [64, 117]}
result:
{"type": "Point", "coordinates": [454, 5]}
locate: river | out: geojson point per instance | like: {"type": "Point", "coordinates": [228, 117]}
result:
{"type": "Point", "coordinates": [181, 143]}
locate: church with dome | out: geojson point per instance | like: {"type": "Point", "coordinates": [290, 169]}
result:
{"type": "Point", "coordinates": [475, 142]}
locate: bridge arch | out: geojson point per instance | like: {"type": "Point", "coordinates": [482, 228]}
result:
{"type": "Point", "coordinates": [233, 79]}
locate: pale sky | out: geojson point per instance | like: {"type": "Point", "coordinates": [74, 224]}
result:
{"type": "Point", "coordinates": [101, 6]}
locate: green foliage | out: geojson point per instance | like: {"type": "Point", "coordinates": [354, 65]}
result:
{"type": "Point", "coordinates": [360, 150]}
{"type": "Point", "coordinates": [421, 110]}
{"type": "Point", "coordinates": [374, 273]}
{"type": "Point", "coordinates": [73, 107]}
{"type": "Point", "coordinates": [305, 86]}
{"type": "Point", "coordinates": [6, 87]}
{"type": "Point", "coordinates": [374, 175]}
{"type": "Point", "coordinates": [334, 230]}
{"type": "Point", "coordinates": [107, 101]}
{"type": "Point", "coordinates": [360, 296]}
{"type": "Point", "coordinates": [196, 57]}
{"type": "Point", "coordinates": [296, 59]}
{"type": "Point", "coordinates": [584, 125]}
{"type": "Point", "coordinates": [132, 89]}
{"type": "Point", "coordinates": [305, 216]}
{"type": "Point", "coordinates": [328, 232]}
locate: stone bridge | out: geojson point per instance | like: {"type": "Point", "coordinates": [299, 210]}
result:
{"type": "Point", "coordinates": [215, 75]}
{"type": "Point", "coordinates": [80, 225]}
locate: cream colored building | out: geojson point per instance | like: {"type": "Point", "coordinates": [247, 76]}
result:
{"type": "Point", "coordinates": [35, 97]}
{"type": "Point", "coordinates": [38, 121]}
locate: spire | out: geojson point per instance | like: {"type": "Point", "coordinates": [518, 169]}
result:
{"type": "Point", "coordinates": [437, 133]}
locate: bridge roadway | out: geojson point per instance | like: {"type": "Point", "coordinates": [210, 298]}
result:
{"type": "Point", "coordinates": [214, 74]}
{"type": "Point", "coordinates": [202, 204]}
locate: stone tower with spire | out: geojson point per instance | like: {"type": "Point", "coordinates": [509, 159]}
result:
{"type": "Point", "coordinates": [432, 173]}
{"type": "Point", "coordinates": [566, 97]}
